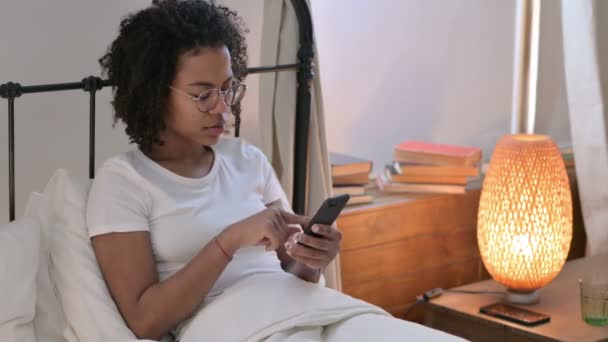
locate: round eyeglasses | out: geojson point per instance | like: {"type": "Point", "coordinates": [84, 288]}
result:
{"type": "Point", "coordinates": [208, 99]}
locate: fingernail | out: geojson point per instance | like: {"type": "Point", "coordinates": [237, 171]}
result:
{"type": "Point", "coordinates": [287, 245]}
{"type": "Point", "coordinates": [315, 228]}
{"type": "Point", "coordinates": [297, 236]}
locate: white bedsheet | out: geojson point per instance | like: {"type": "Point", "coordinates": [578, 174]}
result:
{"type": "Point", "coordinates": [281, 307]}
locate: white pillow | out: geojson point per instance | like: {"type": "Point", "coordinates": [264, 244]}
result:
{"type": "Point", "coordinates": [90, 311]}
{"type": "Point", "coordinates": [19, 249]}
{"type": "Point", "coordinates": [49, 321]}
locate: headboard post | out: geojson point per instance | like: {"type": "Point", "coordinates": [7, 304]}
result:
{"type": "Point", "coordinates": [92, 84]}
{"type": "Point", "coordinates": [237, 125]}
{"type": "Point", "coordinates": [305, 76]}
{"type": "Point", "coordinates": [10, 91]}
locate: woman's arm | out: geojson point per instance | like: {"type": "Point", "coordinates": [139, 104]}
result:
{"type": "Point", "coordinates": [152, 308]}
{"type": "Point", "coordinates": [149, 307]}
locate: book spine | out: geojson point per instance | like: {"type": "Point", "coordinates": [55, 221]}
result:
{"type": "Point", "coordinates": [430, 179]}
{"type": "Point", "coordinates": [432, 159]}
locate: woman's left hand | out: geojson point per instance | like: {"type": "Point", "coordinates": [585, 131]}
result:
{"type": "Point", "coordinates": [315, 252]}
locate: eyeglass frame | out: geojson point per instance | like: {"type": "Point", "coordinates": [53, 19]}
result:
{"type": "Point", "coordinates": [221, 93]}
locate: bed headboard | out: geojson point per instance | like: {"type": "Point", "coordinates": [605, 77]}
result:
{"type": "Point", "coordinates": [91, 84]}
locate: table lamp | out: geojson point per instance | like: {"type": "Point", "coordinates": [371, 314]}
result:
{"type": "Point", "coordinates": [525, 215]}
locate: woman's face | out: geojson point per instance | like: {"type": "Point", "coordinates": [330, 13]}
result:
{"type": "Point", "coordinates": [198, 70]}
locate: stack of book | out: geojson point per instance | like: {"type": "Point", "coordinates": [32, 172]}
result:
{"type": "Point", "coordinates": [350, 175]}
{"type": "Point", "coordinates": [422, 167]}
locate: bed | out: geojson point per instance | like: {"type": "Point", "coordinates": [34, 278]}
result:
{"type": "Point", "coordinates": [53, 291]}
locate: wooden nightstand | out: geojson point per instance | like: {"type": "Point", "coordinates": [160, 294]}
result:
{"type": "Point", "coordinates": [402, 245]}
{"type": "Point", "coordinates": [458, 313]}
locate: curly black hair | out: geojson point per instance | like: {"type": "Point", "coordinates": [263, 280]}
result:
{"type": "Point", "coordinates": [141, 62]}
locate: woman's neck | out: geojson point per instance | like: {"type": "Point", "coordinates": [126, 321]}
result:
{"type": "Point", "coordinates": [185, 159]}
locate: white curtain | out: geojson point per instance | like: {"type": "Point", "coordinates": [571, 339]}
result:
{"type": "Point", "coordinates": [585, 32]}
{"type": "Point", "coordinates": [280, 44]}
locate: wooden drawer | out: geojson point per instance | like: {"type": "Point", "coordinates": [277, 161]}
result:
{"type": "Point", "coordinates": [421, 251]}
{"type": "Point", "coordinates": [376, 225]}
{"type": "Point", "coordinates": [395, 294]}
{"type": "Point", "coordinates": [402, 246]}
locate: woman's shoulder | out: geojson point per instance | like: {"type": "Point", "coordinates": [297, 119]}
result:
{"type": "Point", "coordinates": [118, 176]}
{"type": "Point", "coordinates": [120, 165]}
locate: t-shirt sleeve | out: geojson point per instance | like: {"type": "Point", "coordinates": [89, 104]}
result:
{"type": "Point", "coordinates": [117, 203]}
{"type": "Point", "coordinates": [273, 190]}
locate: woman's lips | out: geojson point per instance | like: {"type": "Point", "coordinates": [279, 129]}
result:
{"type": "Point", "coordinates": [216, 130]}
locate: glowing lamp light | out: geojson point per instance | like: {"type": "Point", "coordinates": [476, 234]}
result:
{"type": "Point", "coordinates": [525, 215]}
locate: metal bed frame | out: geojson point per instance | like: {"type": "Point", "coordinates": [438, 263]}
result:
{"type": "Point", "coordinates": [91, 84]}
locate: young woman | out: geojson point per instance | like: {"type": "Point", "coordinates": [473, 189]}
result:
{"type": "Point", "coordinates": [188, 212]}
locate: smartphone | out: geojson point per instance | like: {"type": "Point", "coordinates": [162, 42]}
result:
{"type": "Point", "coordinates": [327, 213]}
{"type": "Point", "coordinates": [515, 314]}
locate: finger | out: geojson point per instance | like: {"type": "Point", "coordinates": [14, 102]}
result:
{"type": "Point", "coordinates": [263, 242]}
{"type": "Point", "coordinates": [327, 231]}
{"type": "Point", "coordinates": [295, 219]}
{"type": "Point", "coordinates": [280, 231]}
{"type": "Point", "coordinates": [271, 234]}
{"type": "Point", "coordinates": [311, 263]}
{"type": "Point", "coordinates": [317, 243]}
{"type": "Point", "coordinates": [284, 225]}
{"type": "Point", "coordinates": [307, 252]}
{"type": "Point", "coordinates": [273, 244]}
{"type": "Point", "coordinates": [292, 241]}
{"type": "Point", "coordinates": [293, 229]}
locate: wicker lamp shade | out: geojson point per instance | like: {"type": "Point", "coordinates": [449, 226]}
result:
{"type": "Point", "coordinates": [525, 214]}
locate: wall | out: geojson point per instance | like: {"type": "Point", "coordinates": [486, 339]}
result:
{"type": "Point", "coordinates": [434, 70]}
{"type": "Point", "coordinates": [425, 69]}
{"type": "Point", "coordinates": [60, 41]}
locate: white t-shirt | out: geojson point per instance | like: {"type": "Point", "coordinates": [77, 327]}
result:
{"type": "Point", "coordinates": [133, 193]}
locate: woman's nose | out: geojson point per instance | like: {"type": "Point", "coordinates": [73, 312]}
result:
{"type": "Point", "coordinates": [221, 106]}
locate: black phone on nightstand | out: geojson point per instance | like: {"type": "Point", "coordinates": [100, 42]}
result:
{"type": "Point", "coordinates": [515, 314]}
{"type": "Point", "coordinates": [327, 213]}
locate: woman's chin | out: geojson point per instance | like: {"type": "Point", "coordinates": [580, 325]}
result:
{"type": "Point", "coordinates": [209, 140]}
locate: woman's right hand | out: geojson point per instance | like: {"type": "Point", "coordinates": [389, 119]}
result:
{"type": "Point", "coordinates": [269, 227]}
